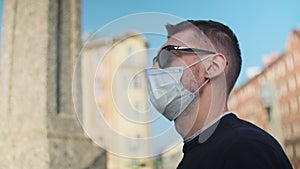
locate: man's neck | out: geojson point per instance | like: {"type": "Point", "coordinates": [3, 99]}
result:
{"type": "Point", "coordinates": [206, 115]}
{"type": "Point", "coordinates": [203, 121]}
{"type": "Point", "coordinates": [208, 125]}
{"type": "Point", "coordinates": [211, 105]}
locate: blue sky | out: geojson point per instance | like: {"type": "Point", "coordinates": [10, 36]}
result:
{"type": "Point", "coordinates": [262, 26]}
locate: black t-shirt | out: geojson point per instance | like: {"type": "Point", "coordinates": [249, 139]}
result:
{"type": "Point", "coordinates": [232, 143]}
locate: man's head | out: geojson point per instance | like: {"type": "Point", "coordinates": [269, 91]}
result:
{"type": "Point", "coordinates": [210, 57]}
{"type": "Point", "coordinates": [223, 40]}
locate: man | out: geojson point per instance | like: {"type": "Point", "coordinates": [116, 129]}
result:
{"type": "Point", "coordinates": [190, 81]}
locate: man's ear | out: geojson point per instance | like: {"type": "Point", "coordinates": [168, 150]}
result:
{"type": "Point", "coordinates": [217, 66]}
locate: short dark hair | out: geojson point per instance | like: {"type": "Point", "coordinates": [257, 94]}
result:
{"type": "Point", "coordinates": [222, 38]}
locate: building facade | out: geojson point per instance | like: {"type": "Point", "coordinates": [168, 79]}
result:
{"type": "Point", "coordinates": [115, 109]}
{"type": "Point", "coordinates": [271, 99]}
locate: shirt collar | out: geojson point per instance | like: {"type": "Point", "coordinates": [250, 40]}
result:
{"type": "Point", "coordinates": [205, 127]}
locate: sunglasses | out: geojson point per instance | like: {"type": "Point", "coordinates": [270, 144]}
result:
{"type": "Point", "coordinates": [169, 53]}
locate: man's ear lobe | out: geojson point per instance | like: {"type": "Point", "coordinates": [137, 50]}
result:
{"type": "Point", "coordinates": [217, 66]}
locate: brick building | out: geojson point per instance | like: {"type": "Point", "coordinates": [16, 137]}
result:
{"type": "Point", "coordinates": [271, 99]}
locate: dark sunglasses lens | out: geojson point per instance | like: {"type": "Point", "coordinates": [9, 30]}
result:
{"type": "Point", "coordinates": [166, 57]}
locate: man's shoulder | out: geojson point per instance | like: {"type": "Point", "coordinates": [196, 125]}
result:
{"type": "Point", "coordinates": [245, 134]}
{"type": "Point", "coordinates": [233, 143]}
{"type": "Point", "coordinates": [258, 144]}
{"type": "Point", "coordinates": [242, 128]}
{"type": "Point", "coordinates": [231, 129]}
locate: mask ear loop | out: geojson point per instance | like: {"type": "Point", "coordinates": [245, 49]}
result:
{"type": "Point", "coordinates": [201, 86]}
{"type": "Point", "coordinates": [195, 64]}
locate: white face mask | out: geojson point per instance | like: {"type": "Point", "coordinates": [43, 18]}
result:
{"type": "Point", "coordinates": [167, 94]}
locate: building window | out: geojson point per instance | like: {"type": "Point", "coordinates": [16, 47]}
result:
{"type": "Point", "coordinates": [296, 56]}
{"type": "Point", "coordinates": [296, 127]}
{"type": "Point", "coordinates": [294, 105]}
{"type": "Point", "coordinates": [290, 63]}
{"type": "Point", "coordinates": [292, 83]}
{"type": "Point", "coordinates": [281, 69]}
{"type": "Point", "coordinates": [283, 88]}
{"type": "Point", "coordinates": [280, 109]}
{"type": "Point", "coordinates": [273, 73]}
{"type": "Point", "coordinates": [286, 108]}
{"type": "Point", "coordinates": [298, 79]}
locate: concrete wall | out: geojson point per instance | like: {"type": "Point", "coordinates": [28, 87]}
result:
{"type": "Point", "coordinates": [39, 127]}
